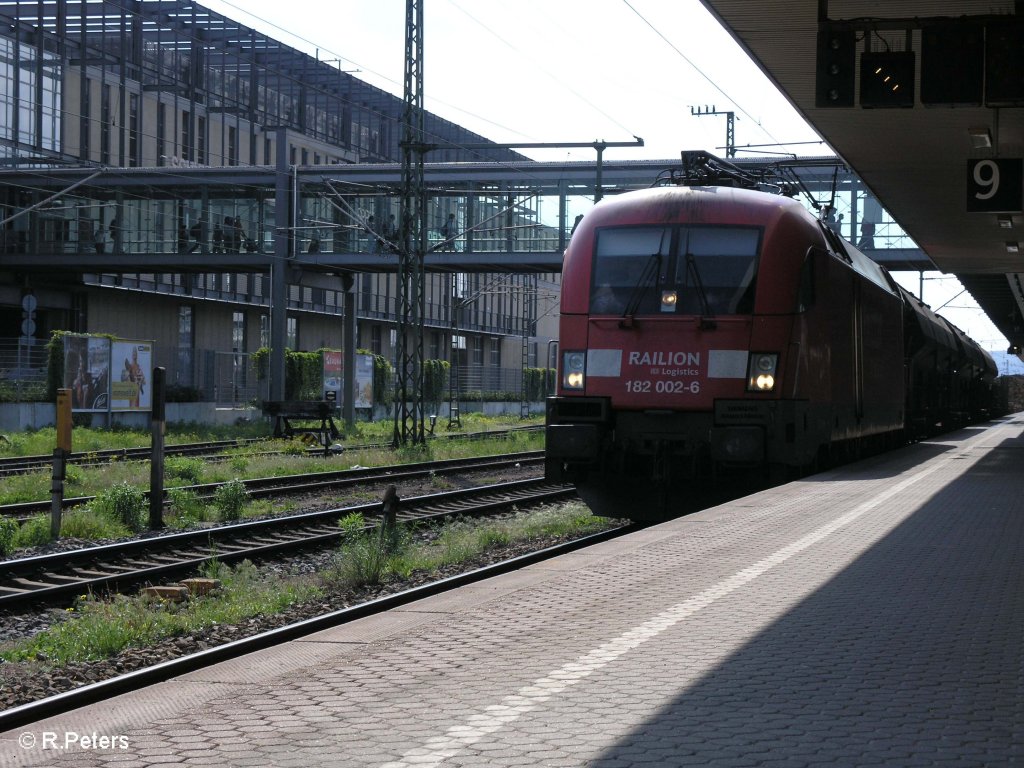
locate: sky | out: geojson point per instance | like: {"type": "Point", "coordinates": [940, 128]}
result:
{"type": "Point", "coordinates": [575, 71]}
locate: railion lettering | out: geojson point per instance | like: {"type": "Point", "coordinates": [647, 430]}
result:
{"type": "Point", "coordinates": [665, 358]}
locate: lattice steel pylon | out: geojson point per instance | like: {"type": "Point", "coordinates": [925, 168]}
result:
{"type": "Point", "coordinates": [730, 126]}
{"type": "Point", "coordinates": [409, 404]}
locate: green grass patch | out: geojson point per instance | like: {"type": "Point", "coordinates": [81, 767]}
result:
{"type": "Point", "coordinates": [8, 532]}
{"type": "Point", "coordinates": [85, 522]}
{"type": "Point", "coordinates": [185, 508]}
{"type": "Point", "coordinates": [34, 532]}
{"type": "Point", "coordinates": [363, 559]}
{"type": "Point", "coordinates": [102, 628]}
{"type": "Point", "coordinates": [41, 442]}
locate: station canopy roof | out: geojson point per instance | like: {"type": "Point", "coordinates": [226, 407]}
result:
{"type": "Point", "coordinates": [942, 151]}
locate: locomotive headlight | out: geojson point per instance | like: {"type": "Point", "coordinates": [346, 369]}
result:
{"type": "Point", "coordinates": [668, 301]}
{"type": "Point", "coordinates": [761, 371]}
{"type": "Point", "coordinates": [573, 367]}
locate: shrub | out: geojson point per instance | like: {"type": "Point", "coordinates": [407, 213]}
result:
{"type": "Point", "coordinates": [294, 448]}
{"type": "Point", "coordinates": [125, 503]}
{"type": "Point", "coordinates": [186, 507]}
{"type": "Point", "coordinates": [361, 561]}
{"type": "Point", "coordinates": [229, 499]}
{"type": "Point", "coordinates": [34, 532]}
{"type": "Point", "coordinates": [352, 524]}
{"type": "Point", "coordinates": [183, 468]}
{"type": "Point", "coordinates": [367, 555]}
{"type": "Point", "coordinates": [8, 531]}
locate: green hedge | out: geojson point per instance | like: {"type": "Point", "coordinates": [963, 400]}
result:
{"type": "Point", "coordinates": [435, 382]}
{"type": "Point", "coordinates": [303, 372]}
{"type": "Point", "coordinates": [539, 383]}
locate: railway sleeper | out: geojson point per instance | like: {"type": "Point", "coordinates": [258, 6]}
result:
{"type": "Point", "coordinates": [62, 578]}
{"type": "Point", "coordinates": [6, 591]}
{"type": "Point", "coordinates": [30, 584]}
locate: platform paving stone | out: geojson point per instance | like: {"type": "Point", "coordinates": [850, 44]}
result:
{"type": "Point", "coordinates": [872, 615]}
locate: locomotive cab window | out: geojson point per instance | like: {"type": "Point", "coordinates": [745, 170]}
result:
{"type": "Point", "coordinates": [704, 270]}
{"type": "Point", "coordinates": [628, 267]}
{"type": "Point", "coordinates": [717, 267]}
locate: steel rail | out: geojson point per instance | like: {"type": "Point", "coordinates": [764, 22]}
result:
{"type": "Point", "coordinates": [62, 576]}
{"type": "Point", "coordinates": [261, 487]}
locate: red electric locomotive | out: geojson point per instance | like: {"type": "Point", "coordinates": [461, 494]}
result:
{"type": "Point", "coordinates": [714, 327]}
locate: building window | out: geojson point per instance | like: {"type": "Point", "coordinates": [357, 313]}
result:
{"type": "Point", "coordinates": [368, 296]}
{"type": "Point", "coordinates": [200, 139]}
{"type": "Point", "coordinates": [186, 135]}
{"type": "Point", "coordinates": [292, 340]}
{"type": "Point", "coordinates": [265, 331]}
{"type": "Point", "coordinates": [133, 129]}
{"type": "Point", "coordinates": [232, 145]}
{"type": "Point", "coordinates": [478, 350]}
{"type": "Point", "coordinates": [83, 131]}
{"type": "Point", "coordinates": [50, 129]}
{"type": "Point", "coordinates": [161, 134]}
{"type": "Point", "coordinates": [238, 358]}
{"type": "Point", "coordinates": [435, 345]}
{"type": "Point", "coordinates": [267, 160]}
{"type": "Point", "coordinates": [375, 339]}
{"type": "Point", "coordinates": [496, 353]}
{"type": "Point", "coordinates": [186, 342]}
{"type": "Point", "coordinates": [238, 332]}
{"type": "Point", "coordinates": [106, 117]}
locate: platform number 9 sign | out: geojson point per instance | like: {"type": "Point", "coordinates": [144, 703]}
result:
{"type": "Point", "coordinates": [995, 185]}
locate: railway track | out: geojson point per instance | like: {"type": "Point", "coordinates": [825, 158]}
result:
{"type": "Point", "coordinates": [15, 465]}
{"type": "Point", "coordinates": [61, 576]}
{"type": "Point", "coordinates": [313, 481]}
{"type": "Point", "coordinates": [25, 714]}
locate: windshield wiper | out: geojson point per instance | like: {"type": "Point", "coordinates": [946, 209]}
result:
{"type": "Point", "coordinates": [651, 269]}
{"type": "Point", "coordinates": [706, 320]}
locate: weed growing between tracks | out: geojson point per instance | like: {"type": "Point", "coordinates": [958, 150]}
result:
{"type": "Point", "coordinates": [103, 628]}
{"type": "Point", "coordinates": [99, 629]}
{"type": "Point", "coordinates": [368, 557]}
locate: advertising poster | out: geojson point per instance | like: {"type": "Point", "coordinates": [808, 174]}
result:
{"type": "Point", "coordinates": [87, 372]}
{"type": "Point", "coordinates": [334, 368]}
{"type": "Point", "coordinates": [130, 388]}
{"type": "Point", "coordinates": [364, 381]}
{"type": "Point", "coordinates": [332, 376]}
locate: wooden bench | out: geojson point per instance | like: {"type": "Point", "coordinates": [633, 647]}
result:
{"type": "Point", "coordinates": [287, 411]}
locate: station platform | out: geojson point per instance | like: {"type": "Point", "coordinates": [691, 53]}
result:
{"type": "Point", "coordinates": [872, 615]}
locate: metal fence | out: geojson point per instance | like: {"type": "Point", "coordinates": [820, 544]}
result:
{"type": "Point", "coordinates": [224, 378]}
{"type": "Point", "coordinates": [22, 369]}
